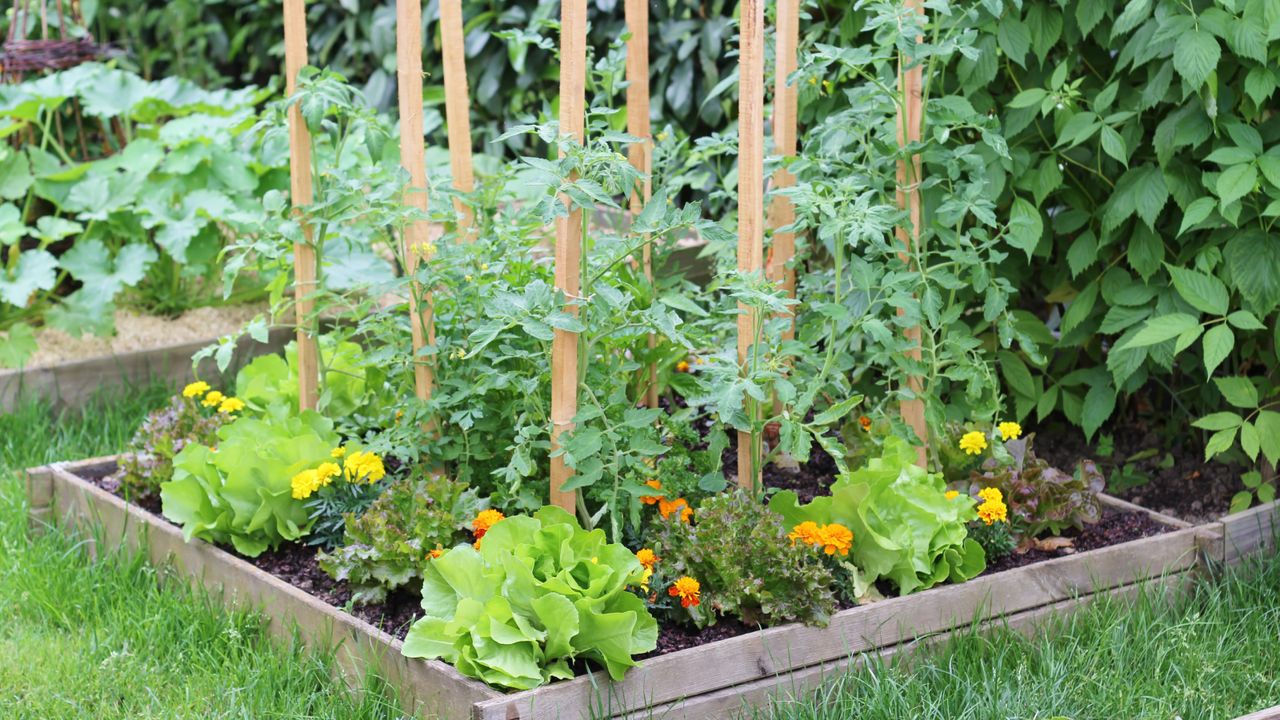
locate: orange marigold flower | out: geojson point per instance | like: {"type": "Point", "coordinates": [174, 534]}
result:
{"type": "Point", "coordinates": [437, 553]}
{"type": "Point", "coordinates": [680, 505]}
{"type": "Point", "coordinates": [688, 590]}
{"type": "Point", "coordinates": [485, 520]}
{"type": "Point", "coordinates": [682, 366]}
{"type": "Point", "coordinates": [647, 558]}
{"type": "Point", "coordinates": [836, 538]}
{"type": "Point", "coordinates": [652, 499]}
{"type": "Point", "coordinates": [806, 532]}
{"type": "Point", "coordinates": [865, 422]}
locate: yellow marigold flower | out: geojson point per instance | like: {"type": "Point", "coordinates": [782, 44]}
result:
{"type": "Point", "coordinates": [993, 511]}
{"type": "Point", "coordinates": [647, 558]}
{"type": "Point", "coordinates": [652, 499]}
{"type": "Point", "coordinates": [485, 520]}
{"type": "Point", "coordinates": [644, 581]}
{"type": "Point", "coordinates": [973, 443]}
{"type": "Point", "coordinates": [991, 494]}
{"type": "Point", "coordinates": [304, 484]}
{"type": "Point", "coordinates": [836, 538]}
{"type": "Point", "coordinates": [688, 590]}
{"type": "Point", "coordinates": [682, 366]}
{"type": "Point", "coordinates": [230, 405]}
{"type": "Point", "coordinates": [667, 507]}
{"type": "Point", "coordinates": [328, 471]}
{"type": "Point", "coordinates": [213, 399]}
{"type": "Point", "coordinates": [1009, 430]}
{"type": "Point", "coordinates": [952, 494]}
{"type": "Point", "coordinates": [364, 466]}
{"type": "Point", "coordinates": [337, 452]}
{"type": "Point", "coordinates": [199, 387]}
{"type": "Point", "coordinates": [806, 532]}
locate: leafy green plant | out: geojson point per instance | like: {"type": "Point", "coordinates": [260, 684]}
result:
{"type": "Point", "coordinates": [350, 382]}
{"type": "Point", "coordinates": [739, 550]}
{"type": "Point", "coordinates": [905, 529]}
{"type": "Point", "coordinates": [147, 462]}
{"type": "Point", "coordinates": [1041, 498]}
{"type": "Point", "coordinates": [240, 492]}
{"type": "Point", "coordinates": [387, 546]}
{"type": "Point", "coordinates": [539, 593]}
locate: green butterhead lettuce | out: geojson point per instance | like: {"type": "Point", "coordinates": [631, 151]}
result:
{"type": "Point", "coordinates": [241, 492]}
{"type": "Point", "coordinates": [350, 383]}
{"type": "Point", "coordinates": [539, 593]}
{"type": "Point", "coordinates": [904, 527]}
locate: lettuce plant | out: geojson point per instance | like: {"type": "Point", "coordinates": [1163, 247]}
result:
{"type": "Point", "coordinates": [905, 527]}
{"type": "Point", "coordinates": [240, 492]}
{"type": "Point", "coordinates": [387, 546]}
{"type": "Point", "coordinates": [740, 552]}
{"type": "Point", "coordinates": [1041, 498]}
{"type": "Point", "coordinates": [347, 378]}
{"type": "Point", "coordinates": [539, 593]}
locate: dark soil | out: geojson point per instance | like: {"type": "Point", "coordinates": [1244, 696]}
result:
{"type": "Point", "coordinates": [673, 637]}
{"type": "Point", "coordinates": [1188, 488]}
{"type": "Point", "coordinates": [1114, 528]}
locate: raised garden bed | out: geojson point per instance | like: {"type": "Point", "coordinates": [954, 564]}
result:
{"type": "Point", "coordinates": [710, 680]}
{"type": "Point", "coordinates": [70, 384]}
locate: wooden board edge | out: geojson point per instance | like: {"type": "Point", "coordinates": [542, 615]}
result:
{"type": "Point", "coordinates": [767, 652]}
{"type": "Point", "coordinates": [1271, 713]}
{"type": "Point", "coordinates": [359, 647]}
{"type": "Point", "coordinates": [1248, 532]}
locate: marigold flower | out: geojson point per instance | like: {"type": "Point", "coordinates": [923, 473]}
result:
{"type": "Point", "coordinates": [337, 452]}
{"type": "Point", "coordinates": [652, 499]}
{"type": "Point", "coordinates": [836, 538]}
{"type": "Point", "coordinates": [485, 520]}
{"type": "Point", "coordinates": [328, 471]}
{"type": "Point", "coordinates": [364, 466]}
{"type": "Point", "coordinates": [230, 405]}
{"type": "Point", "coordinates": [806, 532]}
{"type": "Point", "coordinates": [667, 507]}
{"type": "Point", "coordinates": [1009, 430]}
{"type": "Point", "coordinates": [437, 552]}
{"type": "Point", "coordinates": [993, 511]}
{"type": "Point", "coordinates": [644, 580]}
{"type": "Point", "coordinates": [952, 494]}
{"type": "Point", "coordinates": [973, 443]}
{"type": "Point", "coordinates": [304, 484]}
{"type": "Point", "coordinates": [688, 590]}
{"type": "Point", "coordinates": [213, 399]}
{"type": "Point", "coordinates": [196, 388]}
{"type": "Point", "coordinates": [682, 366]}
{"type": "Point", "coordinates": [647, 558]}
{"type": "Point", "coordinates": [991, 494]}
{"type": "Point", "coordinates": [865, 422]}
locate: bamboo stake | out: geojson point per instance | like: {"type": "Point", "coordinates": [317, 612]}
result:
{"type": "Point", "coordinates": [568, 254]}
{"type": "Point", "coordinates": [785, 101]}
{"type": "Point", "coordinates": [457, 107]}
{"type": "Point", "coordinates": [641, 154]}
{"type": "Point", "coordinates": [304, 255]}
{"type": "Point", "coordinates": [415, 240]}
{"type": "Point", "coordinates": [750, 201]}
{"type": "Point", "coordinates": [910, 116]}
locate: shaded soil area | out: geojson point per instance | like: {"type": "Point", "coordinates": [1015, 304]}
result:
{"type": "Point", "coordinates": [1178, 480]}
{"type": "Point", "coordinates": [1114, 528]}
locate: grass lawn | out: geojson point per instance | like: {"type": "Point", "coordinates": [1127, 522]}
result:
{"type": "Point", "coordinates": [103, 640]}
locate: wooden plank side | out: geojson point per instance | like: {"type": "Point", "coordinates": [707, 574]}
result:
{"type": "Point", "coordinates": [433, 688]}
{"type": "Point", "coordinates": [796, 686]}
{"type": "Point", "coordinates": [1271, 713]}
{"type": "Point", "coordinates": [750, 203]}
{"type": "Point", "coordinates": [568, 250]}
{"type": "Point", "coordinates": [1251, 531]}
{"type": "Point", "coordinates": [416, 239]}
{"type": "Point", "coordinates": [71, 385]}
{"type": "Point", "coordinates": [457, 107]}
{"type": "Point", "coordinates": [771, 651]}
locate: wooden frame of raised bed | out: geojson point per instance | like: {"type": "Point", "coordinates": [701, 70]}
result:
{"type": "Point", "coordinates": [709, 681]}
{"type": "Point", "coordinates": [71, 384]}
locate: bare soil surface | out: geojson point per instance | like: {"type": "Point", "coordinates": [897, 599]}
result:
{"type": "Point", "coordinates": [135, 331]}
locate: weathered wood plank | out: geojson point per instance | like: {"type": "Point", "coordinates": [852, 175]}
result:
{"type": "Point", "coordinates": [1248, 532]}
{"type": "Point", "coordinates": [69, 386]}
{"type": "Point", "coordinates": [1271, 713]}
{"type": "Point", "coordinates": [432, 689]}
{"type": "Point", "coordinates": [771, 651]}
